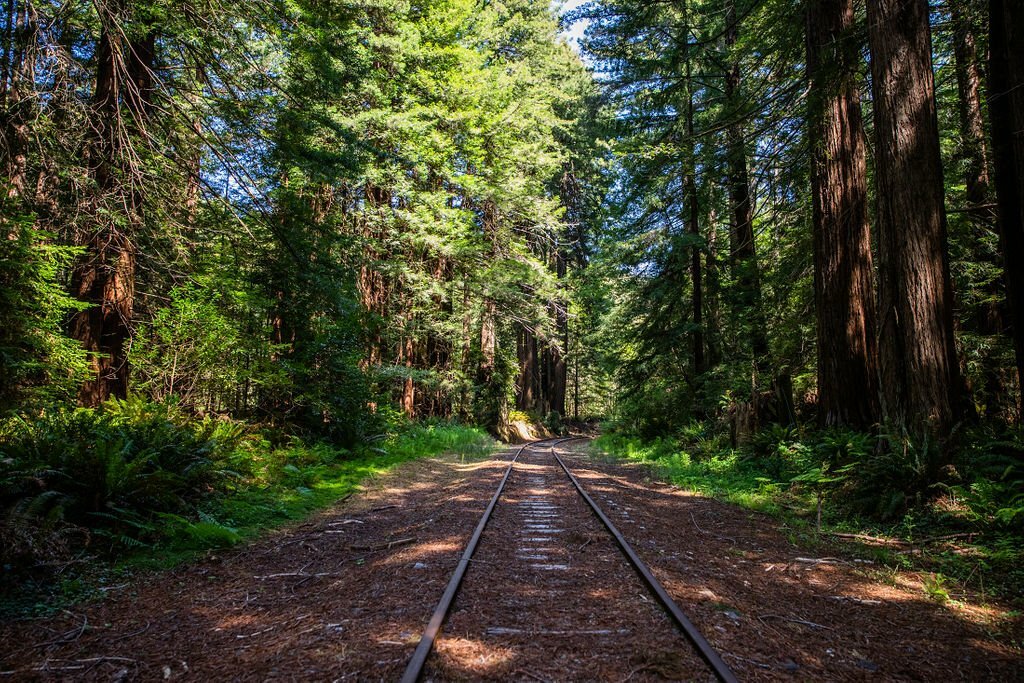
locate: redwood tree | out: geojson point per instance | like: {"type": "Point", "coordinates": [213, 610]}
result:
{"type": "Point", "coordinates": [843, 275]}
{"type": "Point", "coordinates": [920, 375]}
{"type": "Point", "coordinates": [1006, 108]}
{"type": "Point", "coordinates": [743, 254]}
{"type": "Point", "coordinates": [105, 276]}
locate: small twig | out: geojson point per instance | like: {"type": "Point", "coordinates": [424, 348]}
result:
{"type": "Point", "coordinates": [298, 574]}
{"type": "Point", "coordinates": [859, 601]}
{"type": "Point", "coordinates": [819, 560]}
{"type": "Point", "coordinates": [383, 507]}
{"type": "Point", "coordinates": [795, 621]}
{"type": "Point", "coordinates": [761, 665]}
{"type": "Point", "coordinates": [385, 546]}
{"type": "Point", "coordinates": [257, 633]}
{"type": "Point", "coordinates": [637, 670]}
{"type": "Point", "coordinates": [67, 637]}
{"type": "Point", "coordinates": [78, 664]}
{"type": "Point", "coordinates": [708, 533]}
{"type": "Point", "coordinates": [132, 634]}
{"type": "Point", "coordinates": [119, 586]}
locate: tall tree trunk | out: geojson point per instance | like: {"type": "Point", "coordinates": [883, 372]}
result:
{"type": "Point", "coordinates": [105, 276]}
{"type": "Point", "coordinates": [843, 273]}
{"type": "Point", "coordinates": [742, 252]}
{"type": "Point", "coordinates": [693, 227]}
{"type": "Point", "coordinates": [713, 298]}
{"type": "Point", "coordinates": [742, 248]}
{"type": "Point", "coordinates": [493, 409]}
{"type": "Point", "coordinates": [15, 105]}
{"type": "Point", "coordinates": [527, 396]}
{"type": "Point", "coordinates": [466, 352]}
{"type": "Point", "coordinates": [1006, 108]}
{"type": "Point", "coordinates": [985, 318]}
{"type": "Point", "coordinates": [920, 376]}
{"type": "Point", "coordinates": [408, 401]}
{"type": "Point", "coordinates": [972, 127]}
{"type": "Point", "coordinates": [557, 378]}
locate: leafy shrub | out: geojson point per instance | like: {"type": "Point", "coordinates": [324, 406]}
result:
{"type": "Point", "coordinates": [112, 470]}
{"type": "Point", "coordinates": [991, 467]}
{"type": "Point", "coordinates": [779, 451]}
{"type": "Point", "coordinates": [39, 363]}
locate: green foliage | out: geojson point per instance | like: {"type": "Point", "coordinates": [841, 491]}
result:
{"type": "Point", "coordinates": [136, 474]}
{"type": "Point", "coordinates": [198, 349]}
{"type": "Point", "coordinates": [863, 485]}
{"type": "Point", "coordinates": [110, 470]}
{"type": "Point", "coordinates": [38, 362]}
{"type": "Point", "coordinates": [935, 587]}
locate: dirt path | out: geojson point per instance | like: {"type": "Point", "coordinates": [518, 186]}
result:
{"type": "Point", "coordinates": [329, 600]}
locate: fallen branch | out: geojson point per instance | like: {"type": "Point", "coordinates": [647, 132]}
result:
{"type": "Point", "coordinates": [795, 621]}
{"type": "Point", "coordinates": [301, 575]}
{"type": "Point", "coordinates": [385, 546]}
{"type": "Point", "coordinates": [949, 537]}
{"type": "Point", "coordinates": [859, 601]}
{"type": "Point", "coordinates": [819, 560]}
{"type": "Point", "coordinates": [898, 541]}
{"type": "Point", "coordinates": [866, 537]}
{"type": "Point", "coordinates": [383, 507]}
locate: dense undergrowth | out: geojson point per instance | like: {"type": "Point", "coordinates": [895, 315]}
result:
{"type": "Point", "coordinates": [824, 482]}
{"type": "Point", "coordinates": [138, 483]}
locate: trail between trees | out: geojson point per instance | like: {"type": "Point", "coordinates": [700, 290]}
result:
{"type": "Point", "coordinates": [345, 595]}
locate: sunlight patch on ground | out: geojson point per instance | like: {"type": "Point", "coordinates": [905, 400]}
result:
{"type": "Point", "coordinates": [472, 657]}
{"type": "Point", "coordinates": [424, 551]}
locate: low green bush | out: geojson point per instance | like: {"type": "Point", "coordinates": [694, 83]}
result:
{"type": "Point", "coordinates": [106, 474]}
{"type": "Point", "coordinates": [863, 483]}
{"type": "Point", "coordinates": [138, 474]}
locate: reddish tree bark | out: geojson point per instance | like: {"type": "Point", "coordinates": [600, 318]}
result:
{"type": "Point", "coordinates": [557, 379]}
{"type": "Point", "coordinates": [105, 276]}
{"type": "Point", "coordinates": [843, 273]}
{"type": "Point", "coordinates": [526, 398]}
{"type": "Point", "coordinates": [1006, 109]}
{"type": "Point", "coordinates": [972, 127]}
{"type": "Point", "coordinates": [920, 375]}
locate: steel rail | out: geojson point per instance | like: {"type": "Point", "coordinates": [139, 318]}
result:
{"type": "Point", "coordinates": [703, 647]}
{"type": "Point", "coordinates": [419, 657]}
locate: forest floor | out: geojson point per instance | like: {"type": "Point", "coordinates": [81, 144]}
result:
{"type": "Point", "coordinates": [346, 594]}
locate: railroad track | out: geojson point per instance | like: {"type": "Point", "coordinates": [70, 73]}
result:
{"type": "Point", "coordinates": [537, 522]}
